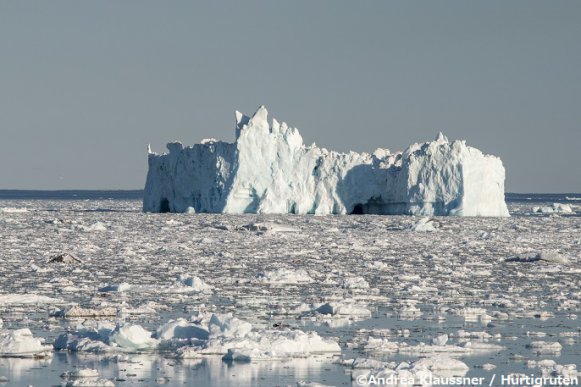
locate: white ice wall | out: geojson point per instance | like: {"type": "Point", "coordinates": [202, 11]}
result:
{"type": "Point", "coordinates": [269, 170]}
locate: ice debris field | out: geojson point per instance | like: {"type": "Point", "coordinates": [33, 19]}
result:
{"type": "Point", "coordinates": [269, 170]}
{"type": "Point", "coordinates": [96, 292]}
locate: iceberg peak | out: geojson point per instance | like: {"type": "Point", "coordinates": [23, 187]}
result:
{"type": "Point", "coordinates": [241, 121]}
{"type": "Point", "coordinates": [260, 119]}
{"type": "Point", "coordinates": [441, 138]}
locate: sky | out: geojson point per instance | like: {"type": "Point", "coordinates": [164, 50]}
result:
{"type": "Point", "coordinates": [85, 86]}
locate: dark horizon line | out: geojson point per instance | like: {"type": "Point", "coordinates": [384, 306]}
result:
{"type": "Point", "coordinates": [134, 194]}
{"type": "Point", "coordinates": [142, 190]}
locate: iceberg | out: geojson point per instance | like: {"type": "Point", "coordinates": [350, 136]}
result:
{"type": "Point", "coordinates": [269, 170]}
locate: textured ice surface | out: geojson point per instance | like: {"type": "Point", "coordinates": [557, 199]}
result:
{"type": "Point", "coordinates": [372, 280]}
{"type": "Point", "coordinates": [269, 170]}
{"type": "Point", "coordinates": [21, 343]}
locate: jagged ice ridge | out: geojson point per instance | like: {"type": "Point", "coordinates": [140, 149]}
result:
{"type": "Point", "coordinates": [269, 170]}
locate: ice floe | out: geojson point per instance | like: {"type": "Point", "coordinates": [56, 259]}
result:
{"type": "Point", "coordinates": [85, 377]}
{"type": "Point", "coordinates": [21, 299]}
{"type": "Point", "coordinates": [559, 208]}
{"type": "Point", "coordinates": [285, 276]}
{"type": "Point", "coordinates": [21, 343]}
{"type": "Point", "coordinates": [426, 224]}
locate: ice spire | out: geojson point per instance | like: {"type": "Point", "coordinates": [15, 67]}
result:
{"type": "Point", "coordinates": [441, 138]}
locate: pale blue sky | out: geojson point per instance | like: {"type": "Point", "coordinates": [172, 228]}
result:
{"type": "Point", "coordinates": [86, 85]}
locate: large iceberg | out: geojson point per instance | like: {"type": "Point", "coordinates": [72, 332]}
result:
{"type": "Point", "coordinates": [269, 170]}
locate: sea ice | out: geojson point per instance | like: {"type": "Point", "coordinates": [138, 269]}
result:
{"type": "Point", "coordinates": [285, 276]}
{"type": "Point", "coordinates": [558, 208]}
{"type": "Point", "coordinates": [21, 299]}
{"type": "Point", "coordinates": [132, 338]}
{"type": "Point", "coordinates": [127, 337]}
{"type": "Point", "coordinates": [238, 341]}
{"type": "Point", "coordinates": [21, 343]}
{"type": "Point", "coordinates": [270, 345]}
{"type": "Point", "coordinates": [76, 311]}
{"type": "Point", "coordinates": [354, 282]}
{"type": "Point", "coordinates": [550, 256]}
{"type": "Point", "coordinates": [89, 382]}
{"type": "Point", "coordinates": [347, 307]}
{"type": "Point", "coordinates": [426, 224]}
{"type": "Point", "coordinates": [122, 287]}
{"type": "Point", "coordinates": [67, 258]}
{"type": "Point", "coordinates": [543, 347]}
{"type": "Point", "coordinates": [195, 283]}
{"type": "Point", "coordinates": [440, 340]}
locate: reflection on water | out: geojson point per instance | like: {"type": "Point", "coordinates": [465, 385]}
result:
{"type": "Point", "coordinates": [151, 370]}
{"type": "Point", "coordinates": [15, 369]}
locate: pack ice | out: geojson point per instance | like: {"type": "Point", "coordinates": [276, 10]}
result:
{"type": "Point", "coordinates": [269, 170]}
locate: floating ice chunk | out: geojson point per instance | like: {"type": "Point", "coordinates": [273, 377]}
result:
{"type": "Point", "coordinates": [441, 363]}
{"type": "Point", "coordinates": [182, 329]}
{"type": "Point", "coordinates": [553, 257]}
{"type": "Point", "coordinates": [92, 382]}
{"type": "Point", "coordinates": [285, 276]}
{"type": "Point", "coordinates": [13, 210]}
{"type": "Point", "coordinates": [122, 287]}
{"type": "Point", "coordinates": [408, 311]}
{"type": "Point", "coordinates": [426, 224]}
{"type": "Point", "coordinates": [21, 299]}
{"type": "Point", "coordinates": [473, 314]}
{"type": "Point", "coordinates": [82, 342]}
{"type": "Point", "coordinates": [227, 325]}
{"type": "Point", "coordinates": [190, 210]}
{"type": "Point", "coordinates": [440, 339]}
{"type": "Point", "coordinates": [196, 283]}
{"type": "Point", "coordinates": [545, 363]}
{"type": "Point", "coordinates": [374, 344]}
{"type": "Point", "coordinates": [558, 208]}
{"type": "Point", "coordinates": [377, 265]}
{"type": "Point", "coordinates": [281, 344]}
{"type": "Point", "coordinates": [266, 227]}
{"type": "Point", "coordinates": [21, 343]}
{"type": "Point", "coordinates": [472, 335]}
{"type": "Point", "coordinates": [550, 256]}
{"type": "Point", "coordinates": [237, 340]}
{"type": "Point", "coordinates": [475, 347]}
{"type": "Point", "coordinates": [311, 384]}
{"type": "Point", "coordinates": [76, 311]}
{"type": "Point", "coordinates": [98, 226]}
{"type": "Point", "coordinates": [362, 362]}
{"type": "Point", "coordinates": [354, 282]}
{"type": "Point", "coordinates": [132, 337]}
{"type": "Point", "coordinates": [67, 258]}
{"type": "Point", "coordinates": [383, 345]}
{"type": "Point", "coordinates": [345, 308]}
{"type": "Point", "coordinates": [543, 347]}
{"type": "Point", "coordinates": [80, 373]}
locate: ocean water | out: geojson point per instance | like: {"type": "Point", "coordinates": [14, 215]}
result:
{"type": "Point", "coordinates": [457, 279]}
